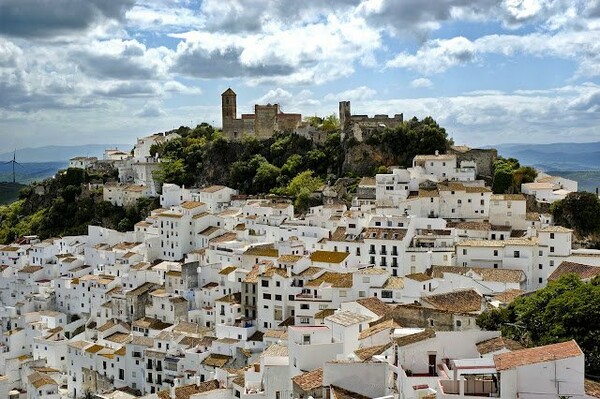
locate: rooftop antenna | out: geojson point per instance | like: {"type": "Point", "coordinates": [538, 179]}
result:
{"type": "Point", "coordinates": [13, 162]}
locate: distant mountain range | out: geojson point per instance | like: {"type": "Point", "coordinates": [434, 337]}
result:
{"type": "Point", "coordinates": [57, 153]}
{"type": "Point", "coordinates": [555, 156]}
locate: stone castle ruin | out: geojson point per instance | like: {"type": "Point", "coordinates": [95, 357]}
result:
{"type": "Point", "coordinates": [360, 126]}
{"type": "Point", "coordinates": [262, 124]}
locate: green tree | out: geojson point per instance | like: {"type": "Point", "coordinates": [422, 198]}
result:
{"type": "Point", "coordinates": [565, 309]}
{"type": "Point", "coordinates": [579, 211]}
{"type": "Point", "coordinates": [304, 182]}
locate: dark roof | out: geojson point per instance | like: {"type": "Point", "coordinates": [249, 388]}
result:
{"type": "Point", "coordinates": [496, 344]}
{"type": "Point", "coordinates": [583, 271]}
{"type": "Point", "coordinates": [375, 305]}
{"type": "Point", "coordinates": [414, 338]}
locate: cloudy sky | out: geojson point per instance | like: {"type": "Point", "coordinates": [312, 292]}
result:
{"type": "Point", "coordinates": [490, 71]}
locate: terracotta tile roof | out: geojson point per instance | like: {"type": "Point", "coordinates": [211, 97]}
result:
{"type": "Point", "coordinates": [508, 296]}
{"type": "Point", "coordinates": [486, 273]}
{"type": "Point", "coordinates": [30, 269]}
{"type": "Point", "coordinates": [309, 380]}
{"type": "Point", "coordinates": [339, 234]}
{"type": "Point", "coordinates": [309, 271]}
{"type": "Point", "coordinates": [508, 197]}
{"type": "Point", "coordinates": [224, 238]}
{"type": "Point", "coordinates": [274, 333]}
{"type": "Point", "coordinates": [227, 270]}
{"type": "Point", "coordinates": [38, 380]}
{"type": "Point", "coordinates": [209, 230]}
{"type": "Point", "coordinates": [271, 271]}
{"type": "Point", "coordinates": [378, 233]}
{"type": "Point", "coordinates": [340, 393]}
{"type": "Point", "coordinates": [371, 271]}
{"type": "Point", "coordinates": [275, 350]}
{"type": "Point", "coordinates": [252, 275]}
{"type": "Point", "coordinates": [191, 204]}
{"type": "Point", "coordinates": [367, 353]}
{"type": "Point", "coordinates": [377, 328]}
{"type": "Point", "coordinates": [555, 229]}
{"type": "Point", "coordinates": [212, 189]}
{"type": "Point", "coordinates": [231, 298]}
{"type": "Point", "coordinates": [481, 226]}
{"type": "Point", "coordinates": [367, 181]}
{"type": "Point", "coordinates": [394, 283]}
{"type": "Point", "coordinates": [592, 388]}
{"type": "Point", "coordinates": [461, 301]}
{"type": "Point", "coordinates": [420, 277]}
{"type": "Point", "coordinates": [321, 314]}
{"type": "Point", "coordinates": [186, 391]}
{"type": "Point", "coordinates": [173, 273]}
{"type": "Point", "coordinates": [119, 338]}
{"type": "Point", "coordinates": [584, 272]}
{"type": "Point", "coordinates": [289, 258]}
{"type": "Point", "coordinates": [414, 338]}
{"type": "Point", "coordinates": [496, 344]}
{"type": "Point", "coordinates": [216, 360]}
{"type": "Point", "coordinates": [540, 354]}
{"type": "Point", "coordinates": [263, 250]}
{"type": "Point", "coordinates": [94, 349]}
{"type": "Point", "coordinates": [328, 256]}
{"type": "Point", "coordinates": [347, 318]}
{"type": "Point", "coordinates": [336, 280]}
{"type": "Point", "coordinates": [375, 305]}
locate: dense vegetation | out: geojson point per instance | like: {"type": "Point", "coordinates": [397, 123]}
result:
{"type": "Point", "coordinates": [509, 175]}
{"type": "Point", "coordinates": [565, 309]}
{"type": "Point", "coordinates": [202, 156]}
{"type": "Point", "coordinates": [66, 205]}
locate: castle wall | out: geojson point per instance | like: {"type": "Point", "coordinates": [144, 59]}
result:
{"type": "Point", "coordinates": [265, 122]}
{"type": "Point", "coordinates": [483, 157]}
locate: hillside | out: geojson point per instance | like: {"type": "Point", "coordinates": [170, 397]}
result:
{"type": "Point", "coordinates": [9, 192]}
{"type": "Point", "coordinates": [28, 172]}
{"type": "Point", "coordinates": [555, 156]}
{"type": "Point", "coordinates": [65, 205]}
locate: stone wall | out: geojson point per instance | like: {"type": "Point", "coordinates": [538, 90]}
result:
{"type": "Point", "coordinates": [483, 157]}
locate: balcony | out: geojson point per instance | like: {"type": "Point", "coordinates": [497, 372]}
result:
{"type": "Point", "coordinates": [372, 251]}
{"type": "Point", "coordinates": [383, 252]}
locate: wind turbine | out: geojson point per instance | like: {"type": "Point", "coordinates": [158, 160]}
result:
{"type": "Point", "coordinates": [13, 162]}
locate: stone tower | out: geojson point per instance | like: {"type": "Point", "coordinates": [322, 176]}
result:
{"type": "Point", "coordinates": [228, 109]}
{"type": "Point", "coordinates": [344, 114]}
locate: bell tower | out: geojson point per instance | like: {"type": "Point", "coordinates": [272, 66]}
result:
{"type": "Point", "coordinates": [228, 109]}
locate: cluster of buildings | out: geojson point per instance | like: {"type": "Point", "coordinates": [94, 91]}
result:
{"type": "Point", "coordinates": [218, 296]}
{"type": "Point", "coordinates": [135, 170]}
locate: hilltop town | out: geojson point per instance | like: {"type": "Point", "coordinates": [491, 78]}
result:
{"type": "Point", "coordinates": [218, 294]}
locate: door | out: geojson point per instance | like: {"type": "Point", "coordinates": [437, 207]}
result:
{"type": "Point", "coordinates": [432, 364]}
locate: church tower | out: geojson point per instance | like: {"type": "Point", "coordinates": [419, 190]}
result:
{"type": "Point", "coordinates": [228, 110]}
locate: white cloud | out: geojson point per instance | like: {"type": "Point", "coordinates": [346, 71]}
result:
{"type": "Point", "coordinates": [437, 55]}
{"type": "Point", "coordinates": [421, 83]}
{"type": "Point", "coordinates": [359, 94]}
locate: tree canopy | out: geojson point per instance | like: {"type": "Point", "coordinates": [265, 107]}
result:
{"type": "Point", "coordinates": [566, 309]}
{"type": "Point", "coordinates": [580, 211]}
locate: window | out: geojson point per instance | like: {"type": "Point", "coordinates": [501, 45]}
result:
{"type": "Point", "coordinates": [278, 297]}
{"type": "Point", "coordinates": [540, 266]}
{"type": "Point", "coordinates": [342, 293]}
{"type": "Point", "coordinates": [464, 251]}
{"type": "Point", "coordinates": [264, 283]}
{"type": "Point", "coordinates": [552, 236]}
{"type": "Point", "coordinates": [266, 296]}
{"type": "Point", "coordinates": [541, 253]}
{"type": "Point", "coordinates": [540, 280]}
{"type": "Point", "coordinates": [366, 280]}
{"type": "Point", "coordinates": [551, 249]}
{"type": "Point", "coordinates": [386, 294]}
{"type": "Point", "coordinates": [277, 283]}
{"type": "Point", "coordinates": [495, 252]}
{"type": "Point", "coordinates": [551, 263]}
{"type": "Point", "coordinates": [304, 306]}
{"type": "Point", "coordinates": [458, 323]}
{"type": "Point", "coordinates": [517, 254]}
